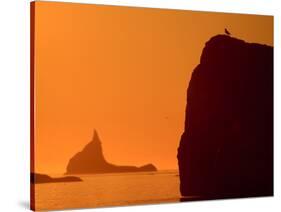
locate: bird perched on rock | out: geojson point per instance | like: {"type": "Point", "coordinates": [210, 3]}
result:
{"type": "Point", "coordinates": [227, 32]}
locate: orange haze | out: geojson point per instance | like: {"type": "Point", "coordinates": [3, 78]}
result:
{"type": "Point", "coordinates": [123, 71]}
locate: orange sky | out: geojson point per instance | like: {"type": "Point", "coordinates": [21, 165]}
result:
{"type": "Point", "coordinates": [123, 71]}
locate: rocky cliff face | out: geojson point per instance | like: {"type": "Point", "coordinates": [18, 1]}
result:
{"type": "Point", "coordinates": [91, 160]}
{"type": "Point", "coordinates": [226, 149]}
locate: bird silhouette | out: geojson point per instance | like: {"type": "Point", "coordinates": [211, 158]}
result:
{"type": "Point", "coordinates": [227, 32]}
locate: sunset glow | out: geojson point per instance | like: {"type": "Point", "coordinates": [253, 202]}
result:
{"type": "Point", "coordinates": [124, 72]}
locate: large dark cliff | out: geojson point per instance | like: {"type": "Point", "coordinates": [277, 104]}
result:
{"type": "Point", "coordinates": [91, 161]}
{"type": "Point", "coordinates": [226, 149]}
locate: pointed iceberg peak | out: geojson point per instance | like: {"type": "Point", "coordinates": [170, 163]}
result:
{"type": "Point", "coordinates": [95, 136]}
{"type": "Point", "coordinates": [94, 144]}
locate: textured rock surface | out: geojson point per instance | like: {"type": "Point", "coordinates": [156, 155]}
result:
{"type": "Point", "coordinates": [226, 149]}
{"type": "Point", "coordinates": [91, 160]}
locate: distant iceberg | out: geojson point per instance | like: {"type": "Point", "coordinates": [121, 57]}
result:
{"type": "Point", "coordinates": [91, 161]}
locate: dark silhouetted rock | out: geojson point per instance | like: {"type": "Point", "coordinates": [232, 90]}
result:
{"type": "Point", "coordinates": [91, 161]}
{"type": "Point", "coordinates": [43, 178]}
{"type": "Point", "coordinates": [226, 149]}
{"type": "Point", "coordinates": [148, 167]}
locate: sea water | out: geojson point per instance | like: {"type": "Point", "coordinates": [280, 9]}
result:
{"type": "Point", "coordinates": [104, 190]}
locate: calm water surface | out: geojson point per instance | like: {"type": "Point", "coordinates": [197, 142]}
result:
{"type": "Point", "coordinates": [103, 190]}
